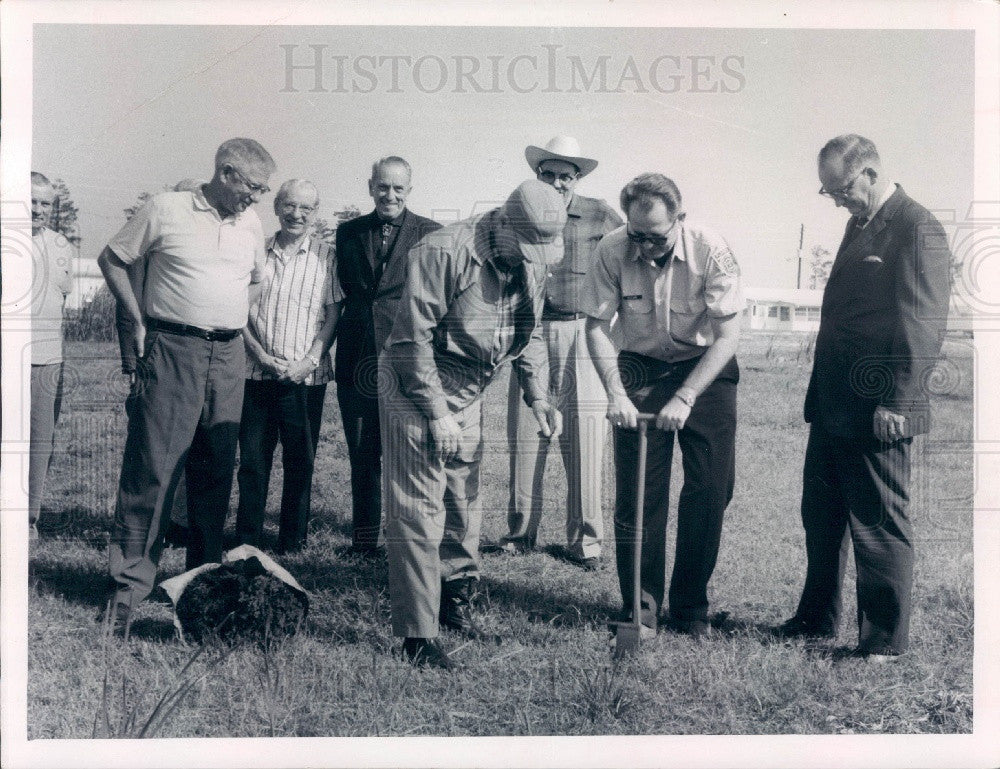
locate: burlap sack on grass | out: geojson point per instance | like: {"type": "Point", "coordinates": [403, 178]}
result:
{"type": "Point", "coordinates": [248, 597]}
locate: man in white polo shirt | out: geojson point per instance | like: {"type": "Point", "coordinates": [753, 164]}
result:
{"type": "Point", "coordinates": [203, 249]}
{"type": "Point", "coordinates": [288, 337]}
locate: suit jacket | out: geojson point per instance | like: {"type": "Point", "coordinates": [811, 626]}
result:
{"type": "Point", "coordinates": [884, 313]}
{"type": "Point", "coordinates": [356, 361]}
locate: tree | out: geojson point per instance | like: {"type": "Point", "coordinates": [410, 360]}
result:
{"type": "Point", "coordinates": [819, 267]}
{"type": "Point", "coordinates": [64, 214]}
{"type": "Point", "coordinates": [327, 232]}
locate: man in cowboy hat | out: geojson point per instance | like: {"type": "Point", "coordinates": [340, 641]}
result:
{"type": "Point", "coordinates": [573, 383]}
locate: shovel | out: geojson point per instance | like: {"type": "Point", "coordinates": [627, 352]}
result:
{"type": "Point", "coordinates": [628, 634]}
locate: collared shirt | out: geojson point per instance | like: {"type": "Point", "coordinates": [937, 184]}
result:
{"type": "Point", "coordinates": [667, 312]}
{"type": "Point", "coordinates": [53, 258]}
{"type": "Point", "coordinates": [199, 265]}
{"type": "Point", "coordinates": [587, 221]}
{"type": "Point", "coordinates": [462, 315]}
{"type": "Point", "coordinates": [890, 188]}
{"type": "Point", "coordinates": [297, 291]}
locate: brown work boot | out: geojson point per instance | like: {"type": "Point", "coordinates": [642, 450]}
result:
{"type": "Point", "coordinates": [427, 652]}
{"type": "Point", "coordinates": [457, 597]}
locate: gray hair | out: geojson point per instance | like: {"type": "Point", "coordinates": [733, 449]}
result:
{"type": "Point", "coordinates": [388, 161]}
{"type": "Point", "coordinates": [853, 150]}
{"type": "Point", "coordinates": [244, 153]}
{"type": "Point", "coordinates": [287, 187]}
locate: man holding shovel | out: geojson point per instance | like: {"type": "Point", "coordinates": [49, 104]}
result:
{"type": "Point", "coordinates": [676, 290]}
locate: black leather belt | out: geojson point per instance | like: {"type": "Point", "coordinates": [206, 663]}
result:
{"type": "Point", "coordinates": [209, 334]}
{"type": "Point", "coordinates": [563, 315]}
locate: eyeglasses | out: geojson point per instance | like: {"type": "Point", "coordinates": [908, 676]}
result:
{"type": "Point", "coordinates": [255, 189]}
{"type": "Point", "coordinates": [657, 240]}
{"type": "Point", "coordinates": [290, 208]}
{"type": "Point", "coordinates": [841, 192]}
{"type": "Point", "coordinates": [550, 176]}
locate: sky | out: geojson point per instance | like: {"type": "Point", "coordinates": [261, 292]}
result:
{"type": "Point", "coordinates": [734, 116]}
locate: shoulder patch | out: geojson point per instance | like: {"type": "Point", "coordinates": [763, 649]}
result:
{"type": "Point", "coordinates": [726, 262]}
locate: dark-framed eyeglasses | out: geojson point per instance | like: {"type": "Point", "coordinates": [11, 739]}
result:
{"type": "Point", "coordinates": [550, 176]}
{"type": "Point", "coordinates": [255, 189]}
{"type": "Point", "coordinates": [841, 192]}
{"type": "Point", "coordinates": [657, 240]}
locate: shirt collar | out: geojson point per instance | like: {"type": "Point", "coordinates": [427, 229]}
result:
{"type": "Point", "coordinates": [304, 246]}
{"type": "Point", "coordinates": [397, 222]}
{"type": "Point", "coordinates": [890, 189]}
{"type": "Point", "coordinates": [200, 201]}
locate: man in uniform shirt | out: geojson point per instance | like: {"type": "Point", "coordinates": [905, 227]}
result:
{"type": "Point", "coordinates": [884, 314]}
{"type": "Point", "coordinates": [573, 384]}
{"type": "Point", "coordinates": [288, 337]}
{"type": "Point", "coordinates": [52, 256]}
{"type": "Point", "coordinates": [371, 251]}
{"type": "Point", "coordinates": [676, 290]}
{"type": "Point", "coordinates": [203, 250]}
{"type": "Point", "coordinates": [472, 301]}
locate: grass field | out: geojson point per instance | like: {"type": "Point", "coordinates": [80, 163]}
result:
{"type": "Point", "coordinates": [553, 674]}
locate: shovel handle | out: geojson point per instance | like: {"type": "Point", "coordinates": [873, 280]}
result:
{"type": "Point", "coordinates": [640, 493]}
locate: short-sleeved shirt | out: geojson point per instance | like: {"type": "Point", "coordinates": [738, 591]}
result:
{"type": "Point", "coordinates": [296, 292]}
{"type": "Point", "coordinates": [199, 265]}
{"type": "Point", "coordinates": [463, 315]}
{"type": "Point", "coordinates": [665, 313]}
{"type": "Point", "coordinates": [53, 258]}
{"type": "Point", "coordinates": [587, 221]}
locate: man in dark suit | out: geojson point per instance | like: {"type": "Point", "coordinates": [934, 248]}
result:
{"type": "Point", "coordinates": [884, 314]}
{"type": "Point", "coordinates": [370, 249]}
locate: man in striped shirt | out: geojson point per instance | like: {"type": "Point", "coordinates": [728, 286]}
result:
{"type": "Point", "coordinates": [288, 337]}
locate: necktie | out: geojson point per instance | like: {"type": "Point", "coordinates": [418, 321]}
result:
{"type": "Point", "coordinates": [386, 234]}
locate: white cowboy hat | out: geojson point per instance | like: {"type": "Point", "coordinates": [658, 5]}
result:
{"type": "Point", "coordinates": [559, 148]}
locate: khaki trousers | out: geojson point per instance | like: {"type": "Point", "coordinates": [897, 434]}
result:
{"type": "Point", "coordinates": [576, 389]}
{"type": "Point", "coordinates": [433, 512]}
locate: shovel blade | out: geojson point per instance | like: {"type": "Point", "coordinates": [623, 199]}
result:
{"type": "Point", "coordinates": [627, 639]}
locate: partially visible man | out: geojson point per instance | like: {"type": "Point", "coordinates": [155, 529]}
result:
{"type": "Point", "coordinates": [884, 314]}
{"type": "Point", "coordinates": [52, 259]}
{"type": "Point", "coordinates": [371, 259]}
{"type": "Point", "coordinates": [472, 301]}
{"type": "Point", "coordinates": [203, 250]}
{"type": "Point", "coordinates": [573, 383]}
{"type": "Point", "coordinates": [288, 339]}
{"type": "Point", "coordinates": [675, 287]}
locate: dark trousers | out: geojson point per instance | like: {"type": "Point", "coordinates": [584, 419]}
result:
{"type": "Point", "coordinates": [290, 412]}
{"type": "Point", "coordinates": [707, 443]}
{"type": "Point", "coordinates": [854, 491]}
{"type": "Point", "coordinates": [184, 413]}
{"type": "Point", "coordinates": [364, 449]}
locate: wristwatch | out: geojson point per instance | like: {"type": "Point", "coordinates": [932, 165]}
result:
{"type": "Point", "coordinates": [313, 359]}
{"type": "Point", "coordinates": [686, 396]}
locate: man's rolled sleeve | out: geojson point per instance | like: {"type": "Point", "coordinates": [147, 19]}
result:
{"type": "Point", "coordinates": [723, 291]}
{"type": "Point", "coordinates": [138, 235]}
{"type": "Point", "coordinates": [424, 302]}
{"type": "Point", "coordinates": [600, 296]}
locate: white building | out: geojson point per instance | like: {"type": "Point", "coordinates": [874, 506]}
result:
{"type": "Point", "coordinates": [87, 279]}
{"type": "Point", "coordinates": [782, 309]}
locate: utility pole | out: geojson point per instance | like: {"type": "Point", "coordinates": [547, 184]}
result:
{"type": "Point", "coordinates": [798, 276]}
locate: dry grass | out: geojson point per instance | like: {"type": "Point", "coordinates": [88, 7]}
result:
{"type": "Point", "coordinates": [553, 674]}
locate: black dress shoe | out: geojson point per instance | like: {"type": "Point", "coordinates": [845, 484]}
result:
{"type": "Point", "coordinates": [697, 628]}
{"type": "Point", "coordinates": [799, 628]}
{"type": "Point", "coordinates": [457, 597]}
{"type": "Point", "coordinates": [427, 652]}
